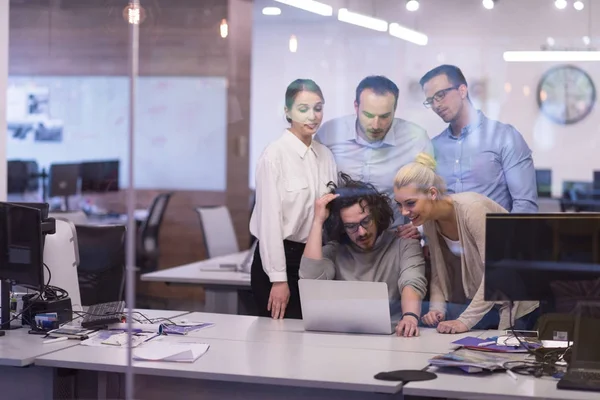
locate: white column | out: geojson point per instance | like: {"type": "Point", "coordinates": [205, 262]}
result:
{"type": "Point", "coordinates": [3, 83]}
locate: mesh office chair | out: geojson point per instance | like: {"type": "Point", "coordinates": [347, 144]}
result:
{"type": "Point", "coordinates": [217, 230]}
{"type": "Point", "coordinates": [147, 249]}
{"type": "Point", "coordinates": [101, 263]}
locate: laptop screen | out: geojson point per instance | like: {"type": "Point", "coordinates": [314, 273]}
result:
{"type": "Point", "coordinates": [585, 346]}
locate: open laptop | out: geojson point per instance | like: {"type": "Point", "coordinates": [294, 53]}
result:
{"type": "Point", "coordinates": [584, 368]}
{"type": "Point", "coordinates": [345, 306]}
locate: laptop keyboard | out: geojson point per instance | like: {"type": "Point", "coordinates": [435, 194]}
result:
{"type": "Point", "coordinates": [584, 375]}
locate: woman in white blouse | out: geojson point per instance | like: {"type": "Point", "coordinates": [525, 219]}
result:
{"type": "Point", "coordinates": [291, 174]}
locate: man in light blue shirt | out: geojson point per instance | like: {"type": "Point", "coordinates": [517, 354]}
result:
{"type": "Point", "coordinates": [372, 145]}
{"type": "Point", "coordinates": [477, 154]}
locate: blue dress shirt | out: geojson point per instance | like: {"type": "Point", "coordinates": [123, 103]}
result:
{"type": "Point", "coordinates": [490, 158]}
{"type": "Point", "coordinates": [374, 162]}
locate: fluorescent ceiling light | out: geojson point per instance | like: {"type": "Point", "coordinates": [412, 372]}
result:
{"type": "Point", "coordinates": [560, 4]}
{"type": "Point", "coordinates": [271, 11]}
{"type": "Point", "coordinates": [548, 56]}
{"type": "Point", "coordinates": [412, 5]}
{"type": "Point", "coordinates": [310, 5]}
{"type": "Point", "coordinates": [409, 35]}
{"type": "Point", "coordinates": [362, 20]}
{"type": "Point", "coordinates": [488, 4]}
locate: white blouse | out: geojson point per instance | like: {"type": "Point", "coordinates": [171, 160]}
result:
{"type": "Point", "coordinates": [454, 246]}
{"type": "Point", "coordinates": [289, 178]}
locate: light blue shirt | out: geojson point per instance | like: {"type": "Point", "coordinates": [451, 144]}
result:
{"type": "Point", "coordinates": [374, 162]}
{"type": "Point", "coordinates": [489, 158]}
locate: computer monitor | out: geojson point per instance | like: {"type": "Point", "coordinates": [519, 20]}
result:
{"type": "Point", "coordinates": [596, 180]}
{"type": "Point", "coordinates": [21, 245]}
{"type": "Point", "coordinates": [63, 180]}
{"type": "Point", "coordinates": [542, 257]}
{"type": "Point", "coordinates": [99, 176]}
{"type": "Point", "coordinates": [543, 178]}
{"type": "Point", "coordinates": [43, 207]}
{"type": "Point", "coordinates": [577, 190]}
{"type": "Point", "coordinates": [22, 176]}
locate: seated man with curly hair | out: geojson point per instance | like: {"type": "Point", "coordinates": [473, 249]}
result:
{"type": "Point", "coordinates": [356, 218]}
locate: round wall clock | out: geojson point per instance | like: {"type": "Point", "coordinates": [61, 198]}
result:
{"type": "Point", "coordinates": [566, 94]}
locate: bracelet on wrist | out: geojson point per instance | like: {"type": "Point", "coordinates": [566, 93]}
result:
{"type": "Point", "coordinates": [410, 314]}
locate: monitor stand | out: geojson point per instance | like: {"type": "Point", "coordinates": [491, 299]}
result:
{"type": "Point", "coordinates": [5, 289]}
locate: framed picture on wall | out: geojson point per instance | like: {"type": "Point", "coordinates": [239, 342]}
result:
{"type": "Point", "coordinates": [28, 115]}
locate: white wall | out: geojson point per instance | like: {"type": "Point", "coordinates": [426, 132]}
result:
{"type": "Point", "coordinates": [337, 56]}
{"type": "Point", "coordinates": [3, 79]}
{"type": "Point", "coordinates": [180, 127]}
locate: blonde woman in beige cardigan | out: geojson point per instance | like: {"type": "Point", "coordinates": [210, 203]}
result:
{"type": "Point", "coordinates": [454, 225]}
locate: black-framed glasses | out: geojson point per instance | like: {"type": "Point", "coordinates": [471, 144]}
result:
{"type": "Point", "coordinates": [438, 96]}
{"type": "Point", "coordinates": [365, 223]}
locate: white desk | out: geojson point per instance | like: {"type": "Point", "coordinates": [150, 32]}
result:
{"type": "Point", "coordinates": [268, 330]}
{"type": "Point", "coordinates": [496, 386]}
{"type": "Point", "coordinates": [261, 358]}
{"type": "Point", "coordinates": [19, 349]}
{"type": "Point", "coordinates": [256, 368]}
{"type": "Point", "coordinates": [221, 287]}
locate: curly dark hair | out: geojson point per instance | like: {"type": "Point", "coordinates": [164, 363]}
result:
{"type": "Point", "coordinates": [356, 192]}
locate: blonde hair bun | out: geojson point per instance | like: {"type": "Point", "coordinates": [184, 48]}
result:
{"type": "Point", "coordinates": [426, 160]}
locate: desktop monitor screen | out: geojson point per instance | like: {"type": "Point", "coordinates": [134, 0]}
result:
{"type": "Point", "coordinates": [577, 190]}
{"type": "Point", "coordinates": [22, 176]}
{"type": "Point", "coordinates": [43, 207]}
{"type": "Point", "coordinates": [100, 176]}
{"type": "Point", "coordinates": [21, 246]}
{"type": "Point", "coordinates": [63, 179]}
{"type": "Point", "coordinates": [543, 178]}
{"type": "Point", "coordinates": [543, 257]}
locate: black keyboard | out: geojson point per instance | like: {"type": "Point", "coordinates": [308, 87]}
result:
{"type": "Point", "coordinates": [580, 380]}
{"type": "Point", "coordinates": [100, 315]}
{"type": "Point", "coordinates": [584, 375]}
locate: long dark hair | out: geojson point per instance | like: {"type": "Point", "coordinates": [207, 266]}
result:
{"type": "Point", "coordinates": [356, 192]}
{"type": "Point", "coordinates": [300, 85]}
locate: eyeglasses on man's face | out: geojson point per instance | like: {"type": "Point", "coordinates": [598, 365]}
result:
{"type": "Point", "coordinates": [438, 96]}
{"type": "Point", "coordinates": [365, 223]}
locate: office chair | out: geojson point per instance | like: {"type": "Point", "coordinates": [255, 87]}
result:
{"type": "Point", "coordinates": [76, 217]}
{"type": "Point", "coordinates": [217, 231]}
{"type": "Point", "coordinates": [147, 249]}
{"type": "Point", "coordinates": [101, 269]}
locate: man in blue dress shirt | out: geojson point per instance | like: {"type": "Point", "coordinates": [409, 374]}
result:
{"type": "Point", "coordinates": [477, 154]}
{"type": "Point", "coordinates": [372, 145]}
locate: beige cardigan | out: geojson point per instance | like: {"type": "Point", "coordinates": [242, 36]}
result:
{"type": "Point", "coordinates": [471, 209]}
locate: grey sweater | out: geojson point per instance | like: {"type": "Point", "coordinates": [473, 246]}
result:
{"type": "Point", "coordinates": [397, 262]}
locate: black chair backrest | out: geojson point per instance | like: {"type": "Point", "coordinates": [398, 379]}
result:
{"type": "Point", "coordinates": [151, 226]}
{"type": "Point", "coordinates": [101, 269]}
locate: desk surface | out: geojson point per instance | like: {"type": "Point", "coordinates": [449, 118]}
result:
{"type": "Point", "coordinates": [496, 386]}
{"type": "Point", "coordinates": [278, 352]}
{"type": "Point", "coordinates": [194, 274]}
{"type": "Point", "coordinates": [287, 364]}
{"type": "Point", "coordinates": [20, 349]}
{"type": "Point", "coordinates": [260, 329]}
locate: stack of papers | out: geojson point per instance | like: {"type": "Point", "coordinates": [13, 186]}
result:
{"type": "Point", "coordinates": [183, 328]}
{"type": "Point", "coordinates": [117, 338]}
{"type": "Point", "coordinates": [73, 332]}
{"type": "Point", "coordinates": [165, 351]}
{"type": "Point", "coordinates": [474, 361]}
{"type": "Point", "coordinates": [494, 345]}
